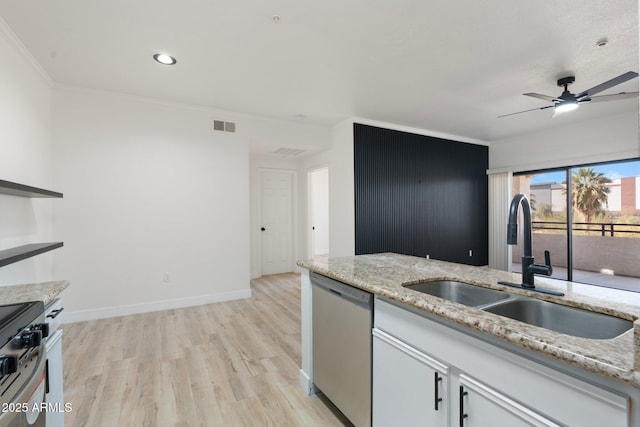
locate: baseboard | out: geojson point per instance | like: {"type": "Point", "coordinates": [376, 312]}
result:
{"type": "Point", "coordinates": [306, 384]}
{"type": "Point", "coordinates": [124, 310]}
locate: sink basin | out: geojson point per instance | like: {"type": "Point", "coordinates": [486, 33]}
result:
{"type": "Point", "coordinates": [561, 318]}
{"type": "Point", "coordinates": [459, 292]}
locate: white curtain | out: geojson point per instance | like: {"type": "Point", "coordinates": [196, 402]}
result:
{"type": "Point", "coordinates": [499, 199]}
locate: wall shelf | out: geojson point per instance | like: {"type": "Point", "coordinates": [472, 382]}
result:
{"type": "Point", "coordinates": [14, 189]}
{"type": "Point", "coordinates": [9, 256]}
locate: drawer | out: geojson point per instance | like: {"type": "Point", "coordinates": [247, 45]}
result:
{"type": "Point", "coordinates": [52, 315]}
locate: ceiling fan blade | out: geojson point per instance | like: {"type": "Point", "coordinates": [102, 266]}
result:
{"type": "Point", "coordinates": [526, 111]}
{"type": "Point", "coordinates": [540, 96]}
{"type": "Point", "coordinates": [606, 85]}
{"type": "Point", "coordinates": [614, 97]}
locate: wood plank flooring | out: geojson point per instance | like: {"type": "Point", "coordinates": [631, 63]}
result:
{"type": "Point", "coordinates": [227, 364]}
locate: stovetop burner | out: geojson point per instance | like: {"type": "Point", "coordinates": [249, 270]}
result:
{"type": "Point", "coordinates": [14, 317]}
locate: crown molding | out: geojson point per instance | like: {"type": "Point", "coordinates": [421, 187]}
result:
{"type": "Point", "coordinates": [15, 41]}
{"type": "Point", "coordinates": [419, 131]}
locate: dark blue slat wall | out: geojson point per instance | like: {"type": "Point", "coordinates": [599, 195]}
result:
{"type": "Point", "coordinates": [420, 195]}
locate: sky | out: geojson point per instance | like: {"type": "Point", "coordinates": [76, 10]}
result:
{"type": "Point", "coordinates": [611, 170]}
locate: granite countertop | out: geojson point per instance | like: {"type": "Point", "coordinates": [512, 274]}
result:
{"type": "Point", "coordinates": [46, 292]}
{"type": "Point", "coordinates": [385, 274]}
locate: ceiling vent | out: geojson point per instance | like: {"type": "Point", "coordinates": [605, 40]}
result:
{"type": "Point", "coordinates": [221, 126]}
{"type": "Point", "coordinates": [288, 152]}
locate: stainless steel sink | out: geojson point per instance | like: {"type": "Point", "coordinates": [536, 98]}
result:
{"type": "Point", "coordinates": [459, 292]}
{"type": "Point", "coordinates": [560, 318]}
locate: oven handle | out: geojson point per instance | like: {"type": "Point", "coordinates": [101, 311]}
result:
{"type": "Point", "coordinates": [55, 313]}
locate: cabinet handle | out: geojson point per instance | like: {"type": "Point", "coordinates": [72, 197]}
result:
{"type": "Point", "coordinates": [46, 376]}
{"type": "Point", "coordinates": [438, 399]}
{"type": "Point", "coordinates": [462, 414]}
{"type": "Point", "coordinates": [54, 313]}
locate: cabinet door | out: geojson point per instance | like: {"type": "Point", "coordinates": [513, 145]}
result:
{"type": "Point", "coordinates": [409, 388]}
{"type": "Point", "coordinates": [481, 406]}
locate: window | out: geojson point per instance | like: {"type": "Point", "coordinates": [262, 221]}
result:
{"type": "Point", "coordinates": [597, 240]}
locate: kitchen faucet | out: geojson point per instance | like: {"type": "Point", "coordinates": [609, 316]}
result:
{"type": "Point", "coordinates": [529, 268]}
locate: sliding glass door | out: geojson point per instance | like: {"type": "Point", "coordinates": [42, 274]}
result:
{"type": "Point", "coordinates": [597, 240]}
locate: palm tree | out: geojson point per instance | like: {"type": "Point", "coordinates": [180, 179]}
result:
{"type": "Point", "coordinates": [590, 192]}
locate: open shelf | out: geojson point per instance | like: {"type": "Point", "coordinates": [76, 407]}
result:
{"type": "Point", "coordinates": [21, 190]}
{"type": "Point", "coordinates": [9, 256]}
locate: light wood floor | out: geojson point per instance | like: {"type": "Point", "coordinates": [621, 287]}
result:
{"type": "Point", "coordinates": [228, 364]}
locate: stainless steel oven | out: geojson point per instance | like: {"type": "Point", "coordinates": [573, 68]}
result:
{"type": "Point", "coordinates": [22, 365]}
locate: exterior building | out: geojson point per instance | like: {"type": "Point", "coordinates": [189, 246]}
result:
{"type": "Point", "coordinates": [624, 196]}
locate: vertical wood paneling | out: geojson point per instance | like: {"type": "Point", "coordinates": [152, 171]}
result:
{"type": "Point", "coordinates": [420, 195]}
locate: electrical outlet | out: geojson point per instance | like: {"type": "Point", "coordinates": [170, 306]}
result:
{"type": "Point", "coordinates": [166, 278]}
{"type": "Point", "coordinates": [470, 252]}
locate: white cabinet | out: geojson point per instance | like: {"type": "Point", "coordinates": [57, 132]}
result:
{"type": "Point", "coordinates": [409, 387]}
{"type": "Point", "coordinates": [484, 379]}
{"type": "Point", "coordinates": [480, 406]}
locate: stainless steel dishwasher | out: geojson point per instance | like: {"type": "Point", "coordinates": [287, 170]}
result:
{"type": "Point", "coordinates": [341, 321]}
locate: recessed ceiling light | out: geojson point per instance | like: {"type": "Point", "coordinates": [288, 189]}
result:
{"type": "Point", "coordinates": [602, 42]}
{"type": "Point", "coordinates": [164, 59]}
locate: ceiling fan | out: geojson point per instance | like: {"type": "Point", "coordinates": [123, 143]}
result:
{"type": "Point", "coordinates": [569, 101]}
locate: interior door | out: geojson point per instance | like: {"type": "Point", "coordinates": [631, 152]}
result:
{"type": "Point", "coordinates": [276, 216]}
{"type": "Point", "coordinates": [319, 212]}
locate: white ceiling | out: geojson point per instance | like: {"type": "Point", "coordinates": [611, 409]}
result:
{"type": "Point", "coordinates": [444, 65]}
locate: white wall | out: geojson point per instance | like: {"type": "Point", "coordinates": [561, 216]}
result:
{"type": "Point", "coordinates": [25, 157]}
{"type": "Point", "coordinates": [339, 159]}
{"type": "Point", "coordinates": [342, 233]}
{"type": "Point", "coordinates": [149, 189]}
{"type": "Point", "coordinates": [610, 138]}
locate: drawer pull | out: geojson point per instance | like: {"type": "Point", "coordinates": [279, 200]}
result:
{"type": "Point", "coordinates": [462, 413]}
{"type": "Point", "coordinates": [55, 313]}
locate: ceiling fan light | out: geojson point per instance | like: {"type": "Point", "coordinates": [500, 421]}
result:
{"type": "Point", "coordinates": [566, 106]}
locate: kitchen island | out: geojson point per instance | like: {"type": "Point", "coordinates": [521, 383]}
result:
{"type": "Point", "coordinates": [612, 364]}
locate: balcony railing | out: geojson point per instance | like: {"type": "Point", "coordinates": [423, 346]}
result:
{"type": "Point", "coordinates": [603, 228]}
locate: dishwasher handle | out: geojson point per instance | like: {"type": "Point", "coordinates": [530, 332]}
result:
{"type": "Point", "coordinates": [342, 290]}
{"type": "Point", "coordinates": [333, 291]}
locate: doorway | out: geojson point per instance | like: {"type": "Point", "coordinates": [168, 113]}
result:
{"type": "Point", "coordinates": [276, 221]}
{"type": "Point", "coordinates": [319, 212]}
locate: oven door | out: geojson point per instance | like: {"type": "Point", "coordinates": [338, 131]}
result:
{"type": "Point", "coordinates": [28, 408]}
